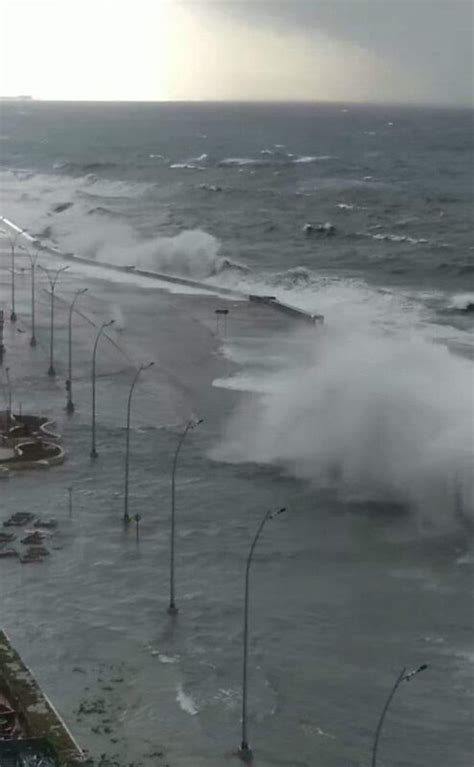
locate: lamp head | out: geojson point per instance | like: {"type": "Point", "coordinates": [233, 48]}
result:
{"type": "Point", "coordinates": [411, 674]}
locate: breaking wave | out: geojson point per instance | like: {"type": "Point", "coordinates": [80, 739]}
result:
{"type": "Point", "coordinates": [228, 162]}
{"type": "Point", "coordinates": [311, 159]}
{"type": "Point", "coordinates": [462, 302]}
{"type": "Point", "coordinates": [387, 237]}
{"type": "Point", "coordinates": [376, 411]}
{"type": "Point", "coordinates": [83, 168]}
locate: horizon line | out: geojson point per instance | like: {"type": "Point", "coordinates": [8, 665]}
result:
{"type": "Point", "coordinates": [263, 101]}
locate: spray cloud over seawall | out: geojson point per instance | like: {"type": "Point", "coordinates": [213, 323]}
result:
{"type": "Point", "coordinates": [385, 416]}
{"type": "Point", "coordinates": [64, 211]}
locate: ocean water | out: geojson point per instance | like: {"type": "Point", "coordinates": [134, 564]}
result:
{"type": "Point", "coordinates": [365, 428]}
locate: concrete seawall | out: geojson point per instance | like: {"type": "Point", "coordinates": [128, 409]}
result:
{"type": "Point", "coordinates": [38, 715]}
{"type": "Point", "coordinates": [271, 301]}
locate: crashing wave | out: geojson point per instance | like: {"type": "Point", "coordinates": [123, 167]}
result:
{"type": "Point", "coordinates": [239, 161]}
{"type": "Point", "coordinates": [311, 159]}
{"type": "Point", "coordinates": [186, 166]}
{"type": "Point", "coordinates": [223, 265]}
{"type": "Point", "coordinates": [386, 237]}
{"type": "Point", "coordinates": [330, 414]}
{"type": "Point", "coordinates": [293, 278]}
{"type": "Point", "coordinates": [462, 302]}
{"type": "Point", "coordinates": [83, 167]}
{"type": "Point", "coordinates": [275, 157]}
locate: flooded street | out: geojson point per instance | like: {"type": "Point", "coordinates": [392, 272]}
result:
{"type": "Point", "coordinates": [342, 596]}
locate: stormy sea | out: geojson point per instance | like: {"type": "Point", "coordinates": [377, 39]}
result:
{"type": "Point", "coordinates": [362, 427]}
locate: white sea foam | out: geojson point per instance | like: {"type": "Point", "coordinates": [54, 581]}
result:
{"type": "Point", "coordinates": [186, 166]}
{"type": "Point", "coordinates": [239, 161]}
{"type": "Point", "coordinates": [461, 300]}
{"type": "Point", "coordinates": [186, 702]}
{"type": "Point", "coordinates": [316, 158]}
{"type": "Point", "coordinates": [387, 237]}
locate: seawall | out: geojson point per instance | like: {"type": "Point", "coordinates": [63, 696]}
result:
{"type": "Point", "coordinates": [271, 301]}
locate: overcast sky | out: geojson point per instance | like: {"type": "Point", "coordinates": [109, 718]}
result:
{"type": "Point", "coordinates": [333, 50]}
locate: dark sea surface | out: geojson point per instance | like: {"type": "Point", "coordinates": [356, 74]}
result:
{"type": "Point", "coordinates": [364, 430]}
{"type": "Point", "coordinates": [253, 175]}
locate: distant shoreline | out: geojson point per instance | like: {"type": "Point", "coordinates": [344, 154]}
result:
{"type": "Point", "coordinates": [348, 105]}
{"type": "Point", "coordinates": [16, 98]}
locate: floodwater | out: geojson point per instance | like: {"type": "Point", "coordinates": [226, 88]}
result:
{"type": "Point", "coordinates": [343, 593]}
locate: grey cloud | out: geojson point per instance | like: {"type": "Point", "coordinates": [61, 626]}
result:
{"type": "Point", "coordinates": [430, 38]}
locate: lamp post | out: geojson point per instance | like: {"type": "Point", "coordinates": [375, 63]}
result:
{"type": "Point", "coordinates": [13, 241]}
{"type": "Point", "coordinates": [245, 752]}
{"type": "Point", "coordinates": [402, 677]}
{"type": "Point", "coordinates": [53, 276]}
{"type": "Point", "coordinates": [126, 516]}
{"type": "Point", "coordinates": [172, 609]}
{"type": "Point", "coordinates": [104, 325]}
{"type": "Point", "coordinates": [70, 403]}
{"type": "Point", "coordinates": [9, 395]}
{"type": "Point", "coordinates": [33, 260]}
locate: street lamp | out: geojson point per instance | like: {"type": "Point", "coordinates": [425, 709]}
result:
{"type": "Point", "coordinates": [104, 325]}
{"type": "Point", "coordinates": [172, 609]}
{"type": "Point", "coordinates": [245, 752]}
{"type": "Point", "coordinates": [126, 516]}
{"type": "Point", "coordinates": [33, 260]}
{"type": "Point", "coordinates": [9, 395]}
{"type": "Point", "coordinates": [53, 276]}
{"type": "Point", "coordinates": [402, 677]}
{"type": "Point", "coordinates": [70, 403]}
{"type": "Point", "coordinates": [13, 241]}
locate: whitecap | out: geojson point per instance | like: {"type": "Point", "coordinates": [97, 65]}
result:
{"type": "Point", "coordinates": [313, 158]}
{"type": "Point", "coordinates": [186, 702]}
{"type": "Point", "coordinates": [185, 166]}
{"type": "Point", "coordinates": [230, 161]}
{"type": "Point", "coordinates": [461, 301]}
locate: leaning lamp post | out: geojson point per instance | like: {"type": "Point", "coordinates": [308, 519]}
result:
{"type": "Point", "coordinates": [245, 752]}
{"type": "Point", "coordinates": [126, 515]}
{"type": "Point", "coordinates": [104, 325]}
{"type": "Point", "coordinates": [402, 677]}
{"type": "Point", "coordinates": [53, 276]}
{"type": "Point", "coordinates": [70, 403]}
{"type": "Point", "coordinates": [172, 609]}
